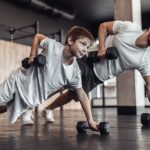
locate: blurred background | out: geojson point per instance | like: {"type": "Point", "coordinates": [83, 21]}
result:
{"type": "Point", "coordinates": [21, 19]}
{"type": "Point", "coordinates": [54, 15]}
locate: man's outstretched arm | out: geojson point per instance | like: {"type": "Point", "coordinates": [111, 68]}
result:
{"type": "Point", "coordinates": [104, 30]}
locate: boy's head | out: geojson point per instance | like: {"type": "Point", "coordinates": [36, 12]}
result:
{"type": "Point", "coordinates": [77, 32]}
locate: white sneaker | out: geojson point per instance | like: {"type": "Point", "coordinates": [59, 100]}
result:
{"type": "Point", "coordinates": [48, 115]}
{"type": "Point", "coordinates": [27, 117]}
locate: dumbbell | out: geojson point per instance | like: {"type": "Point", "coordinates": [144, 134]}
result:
{"type": "Point", "coordinates": [104, 127]}
{"type": "Point", "coordinates": [111, 53]}
{"type": "Point", "coordinates": [39, 60]}
{"type": "Point", "coordinates": [145, 119]}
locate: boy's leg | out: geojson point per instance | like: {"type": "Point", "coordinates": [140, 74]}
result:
{"type": "Point", "coordinates": [62, 99]}
{"type": "Point", "coordinates": [27, 117]}
{"type": "Point", "coordinates": [7, 90]}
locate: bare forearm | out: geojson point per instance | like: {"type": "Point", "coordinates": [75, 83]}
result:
{"type": "Point", "coordinates": [85, 103]}
{"type": "Point", "coordinates": [105, 29]}
{"type": "Point", "coordinates": [36, 41]}
{"type": "Point", "coordinates": [148, 92]}
{"type": "Point", "coordinates": [102, 33]}
{"type": "Point", "coordinates": [35, 44]}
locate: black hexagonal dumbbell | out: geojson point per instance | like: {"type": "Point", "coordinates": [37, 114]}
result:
{"type": "Point", "coordinates": [104, 127]}
{"type": "Point", "coordinates": [111, 53]}
{"type": "Point", "coordinates": [145, 119]}
{"type": "Point", "coordinates": [39, 60]}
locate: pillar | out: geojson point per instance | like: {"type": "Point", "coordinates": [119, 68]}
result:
{"type": "Point", "coordinates": [130, 85]}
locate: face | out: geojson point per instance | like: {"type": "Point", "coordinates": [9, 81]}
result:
{"type": "Point", "coordinates": [79, 47]}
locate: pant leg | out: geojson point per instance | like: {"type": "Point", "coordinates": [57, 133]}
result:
{"type": "Point", "coordinates": [7, 89]}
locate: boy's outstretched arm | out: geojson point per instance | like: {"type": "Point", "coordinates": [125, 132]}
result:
{"type": "Point", "coordinates": [85, 103]}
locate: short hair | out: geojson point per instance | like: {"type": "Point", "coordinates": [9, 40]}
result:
{"type": "Point", "coordinates": [77, 32]}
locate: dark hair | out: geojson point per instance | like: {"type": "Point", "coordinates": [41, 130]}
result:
{"type": "Point", "coordinates": [77, 32]}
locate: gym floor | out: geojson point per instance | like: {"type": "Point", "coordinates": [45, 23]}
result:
{"type": "Point", "coordinates": [126, 133]}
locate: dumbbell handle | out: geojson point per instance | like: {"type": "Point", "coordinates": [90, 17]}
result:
{"type": "Point", "coordinates": [104, 127]}
{"type": "Point", "coordinates": [95, 48]}
{"type": "Point", "coordinates": [39, 60]}
{"type": "Point", "coordinates": [111, 53]}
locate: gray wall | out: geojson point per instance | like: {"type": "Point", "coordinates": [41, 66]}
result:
{"type": "Point", "coordinates": [15, 16]}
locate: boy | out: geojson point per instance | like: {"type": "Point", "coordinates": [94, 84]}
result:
{"type": "Point", "coordinates": [27, 88]}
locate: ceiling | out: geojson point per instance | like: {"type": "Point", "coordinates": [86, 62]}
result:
{"type": "Point", "coordinates": [91, 11]}
{"type": "Point", "coordinates": [88, 10]}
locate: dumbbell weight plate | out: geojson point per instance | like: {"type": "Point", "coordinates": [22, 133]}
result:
{"type": "Point", "coordinates": [40, 60]}
{"type": "Point", "coordinates": [82, 126]}
{"type": "Point", "coordinates": [112, 53]}
{"type": "Point", "coordinates": [25, 63]}
{"type": "Point", "coordinates": [104, 128]}
{"type": "Point", "coordinates": [145, 119]}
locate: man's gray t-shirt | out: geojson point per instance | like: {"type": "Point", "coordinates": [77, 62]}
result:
{"type": "Point", "coordinates": [130, 56]}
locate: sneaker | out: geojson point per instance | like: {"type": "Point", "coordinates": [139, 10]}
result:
{"type": "Point", "coordinates": [48, 115]}
{"type": "Point", "coordinates": [27, 117]}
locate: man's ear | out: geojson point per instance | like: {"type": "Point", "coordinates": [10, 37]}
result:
{"type": "Point", "coordinates": [70, 40]}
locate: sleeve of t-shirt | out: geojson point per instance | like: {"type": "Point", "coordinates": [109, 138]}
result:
{"type": "Point", "coordinates": [76, 83]}
{"type": "Point", "coordinates": [47, 45]}
{"type": "Point", "coordinates": [145, 69]}
{"type": "Point", "coordinates": [125, 26]}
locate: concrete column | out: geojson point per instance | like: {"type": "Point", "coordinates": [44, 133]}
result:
{"type": "Point", "coordinates": [130, 85]}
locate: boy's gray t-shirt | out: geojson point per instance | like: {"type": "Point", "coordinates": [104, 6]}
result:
{"type": "Point", "coordinates": [34, 85]}
{"type": "Point", "coordinates": [130, 56]}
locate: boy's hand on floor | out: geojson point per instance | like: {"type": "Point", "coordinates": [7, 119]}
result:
{"type": "Point", "coordinates": [93, 125]}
